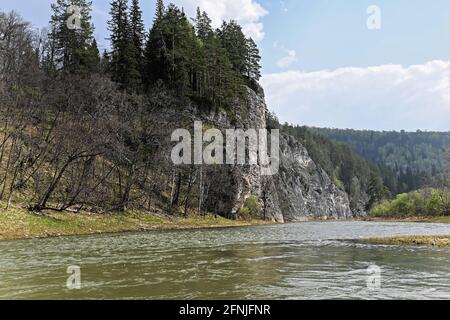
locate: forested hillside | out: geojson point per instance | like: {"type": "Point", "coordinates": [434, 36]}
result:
{"type": "Point", "coordinates": [79, 129]}
{"type": "Point", "coordinates": [407, 161]}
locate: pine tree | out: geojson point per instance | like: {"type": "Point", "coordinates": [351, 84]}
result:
{"type": "Point", "coordinates": [203, 25]}
{"type": "Point", "coordinates": [234, 41]}
{"type": "Point", "coordinates": [376, 190]}
{"type": "Point", "coordinates": [159, 10]}
{"type": "Point", "coordinates": [123, 66]}
{"type": "Point", "coordinates": [253, 63]}
{"type": "Point", "coordinates": [105, 62]}
{"type": "Point", "coordinates": [118, 26]}
{"type": "Point", "coordinates": [198, 19]}
{"type": "Point", "coordinates": [155, 49]}
{"type": "Point", "coordinates": [72, 46]}
{"type": "Point", "coordinates": [93, 57]}
{"type": "Point", "coordinates": [170, 49]}
{"type": "Point", "coordinates": [137, 32]}
{"type": "Point", "coordinates": [235, 44]}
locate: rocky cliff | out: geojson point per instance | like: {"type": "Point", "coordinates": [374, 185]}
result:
{"type": "Point", "coordinates": [299, 191]}
{"type": "Point", "coordinates": [303, 189]}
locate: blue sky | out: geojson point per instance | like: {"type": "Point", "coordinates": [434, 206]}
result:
{"type": "Point", "coordinates": [322, 66]}
{"type": "Point", "coordinates": [333, 33]}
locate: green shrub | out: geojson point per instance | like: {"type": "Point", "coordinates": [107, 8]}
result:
{"type": "Point", "coordinates": [426, 202]}
{"type": "Point", "coordinates": [251, 208]}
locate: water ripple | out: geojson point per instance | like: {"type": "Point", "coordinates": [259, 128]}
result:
{"type": "Point", "coordinates": [293, 261]}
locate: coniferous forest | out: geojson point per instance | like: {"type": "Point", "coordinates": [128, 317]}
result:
{"type": "Point", "coordinates": [191, 60]}
{"type": "Point", "coordinates": [407, 161]}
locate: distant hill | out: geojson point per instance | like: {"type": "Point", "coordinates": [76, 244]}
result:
{"type": "Point", "coordinates": [406, 160]}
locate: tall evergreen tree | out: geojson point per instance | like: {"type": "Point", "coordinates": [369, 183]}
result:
{"type": "Point", "coordinates": [118, 26]}
{"type": "Point", "coordinates": [234, 41]}
{"type": "Point", "coordinates": [159, 10]}
{"type": "Point", "coordinates": [93, 57]}
{"type": "Point", "coordinates": [155, 48]}
{"type": "Point", "coordinates": [137, 32]}
{"type": "Point", "coordinates": [71, 35]}
{"type": "Point", "coordinates": [221, 80]}
{"type": "Point", "coordinates": [124, 67]}
{"type": "Point", "coordinates": [105, 62]}
{"type": "Point", "coordinates": [169, 50]}
{"type": "Point", "coordinates": [376, 190]}
{"type": "Point", "coordinates": [253, 61]}
{"type": "Point", "coordinates": [203, 25]}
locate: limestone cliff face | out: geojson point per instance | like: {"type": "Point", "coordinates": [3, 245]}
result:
{"type": "Point", "coordinates": [233, 185]}
{"type": "Point", "coordinates": [300, 190]}
{"type": "Point", "coordinates": [305, 190]}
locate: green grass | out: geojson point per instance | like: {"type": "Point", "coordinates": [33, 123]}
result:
{"type": "Point", "coordinates": [436, 241]}
{"type": "Point", "coordinates": [18, 223]}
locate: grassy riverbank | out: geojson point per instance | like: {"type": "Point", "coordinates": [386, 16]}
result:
{"type": "Point", "coordinates": [436, 241]}
{"type": "Point", "coordinates": [18, 223]}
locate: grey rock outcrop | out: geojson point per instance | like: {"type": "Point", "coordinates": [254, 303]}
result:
{"type": "Point", "coordinates": [301, 190]}
{"type": "Point", "coordinates": [304, 189]}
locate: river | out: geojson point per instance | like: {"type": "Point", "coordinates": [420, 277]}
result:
{"type": "Point", "coordinates": [291, 261]}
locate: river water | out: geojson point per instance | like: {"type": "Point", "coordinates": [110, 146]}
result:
{"type": "Point", "coordinates": [291, 261]}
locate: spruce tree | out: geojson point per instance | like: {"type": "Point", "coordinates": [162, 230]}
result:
{"type": "Point", "coordinates": [198, 19]}
{"type": "Point", "coordinates": [72, 41]}
{"type": "Point", "coordinates": [234, 41]}
{"type": "Point", "coordinates": [170, 51]}
{"type": "Point", "coordinates": [118, 26]}
{"type": "Point", "coordinates": [123, 66]}
{"type": "Point", "coordinates": [93, 57]}
{"type": "Point", "coordinates": [181, 48]}
{"type": "Point", "coordinates": [137, 31]}
{"type": "Point", "coordinates": [253, 63]}
{"type": "Point", "coordinates": [155, 49]}
{"type": "Point", "coordinates": [159, 10]}
{"type": "Point", "coordinates": [375, 189]}
{"type": "Point", "coordinates": [105, 62]}
{"type": "Point", "coordinates": [203, 25]}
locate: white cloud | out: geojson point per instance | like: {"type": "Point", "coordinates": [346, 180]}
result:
{"type": "Point", "coordinates": [386, 97]}
{"type": "Point", "coordinates": [247, 12]}
{"type": "Point", "coordinates": [287, 60]}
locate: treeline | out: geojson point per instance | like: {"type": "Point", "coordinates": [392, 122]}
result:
{"type": "Point", "coordinates": [80, 130]}
{"type": "Point", "coordinates": [422, 203]}
{"type": "Point", "coordinates": [194, 61]}
{"type": "Point", "coordinates": [350, 172]}
{"type": "Point", "coordinates": [407, 161]}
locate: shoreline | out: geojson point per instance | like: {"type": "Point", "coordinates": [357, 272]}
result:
{"type": "Point", "coordinates": [415, 240]}
{"type": "Point", "coordinates": [430, 241]}
{"type": "Point", "coordinates": [19, 224]}
{"type": "Point", "coordinates": [445, 219]}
